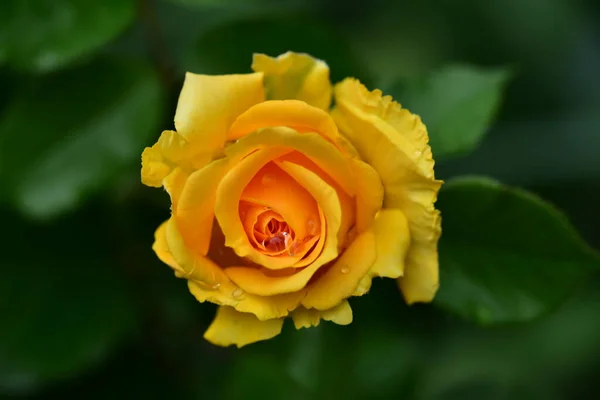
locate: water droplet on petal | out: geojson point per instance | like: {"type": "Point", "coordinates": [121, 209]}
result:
{"type": "Point", "coordinates": [267, 179]}
{"type": "Point", "coordinates": [418, 153]}
{"type": "Point", "coordinates": [275, 243]}
{"type": "Point", "coordinates": [312, 227]}
{"type": "Point", "coordinates": [345, 270]}
{"type": "Point", "coordinates": [237, 293]}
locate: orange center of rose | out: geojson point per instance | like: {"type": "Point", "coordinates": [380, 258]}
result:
{"type": "Point", "coordinates": [269, 233]}
{"type": "Point", "coordinates": [271, 195]}
{"type": "Point", "coordinates": [272, 234]}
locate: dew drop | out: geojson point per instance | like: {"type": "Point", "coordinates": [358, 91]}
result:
{"type": "Point", "coordinates": [277, 242]}
{"type": "Point", "coordinates": [237, 293]}
{"type": "Point", "coordinates": [345, 270]}
{"type": "Point", "coordinates": [418, 153]}
{"type": "Point", "coordinates": [312, 227]}
{"type": "Point", "coordinates": [267, 179]}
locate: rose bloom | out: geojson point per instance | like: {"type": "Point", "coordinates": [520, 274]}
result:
{"type": "Point", "coordinates": [284, 207]}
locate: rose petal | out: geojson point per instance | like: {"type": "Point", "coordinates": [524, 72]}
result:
{"type": "Point", "coordinates": [369, 194]}
{"type": "Point", "coordinates": [327, 199]}
{"type": "Point", "coordinates": [195, 211]}
{"type": "Point", "coordinates": [318, 151]}
{"type": "Point", "coordinates": [231, 327]}
{"type": "Point", "coordinates": [208, 105]}
{"type": "Point", "coordinates": [394, 142]}
{"type": "Point", "coordinates": [229, 294]}
{"type": "Point", "coordinates": [392, 238]}
{"type": "Point", "coordinates": [271, 187]}
{"type": "Point", "coordinates": [342, 278]}
{"type": "Point", "coordinates": [310, 144]}
{"type": "Point", "coordinates": [306, 318]}
{"type": "Point", "coordinates": [161, 248]}
{"type": "Point", "coordinates": [154, 167]}
{"type": "Point", "coordinates": [256, 281]}
{"type": "Point", "coordinates": [347, 203]}
{"type": "Point", "coordinates": [249, 221]}
{"type": "Point", "coordinates": [169, 152]}
{"type": "Point", "coordinates": [218, 289]}
{"type": "Point", "coordinates": [318, 247]}
{"type": "Point", "coordinates": [192, 265]}
{"type": "Point", "coordinates": [386, 122]}
{"type": "Point", "coordinates": [294, 114]}
{"type": "Point", "coordinates": [295, 76]}
{"type": "Point", "coordinates": [174, 184]}
{"type": "Point", "coordinates": [228, 196]}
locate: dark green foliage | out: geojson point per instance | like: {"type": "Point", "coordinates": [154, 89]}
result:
{"type": "Point", "coordinates": [507, 90]}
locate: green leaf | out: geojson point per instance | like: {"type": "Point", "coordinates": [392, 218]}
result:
{"type": "Point", "coordinates": [64, 304]}
{"type": "Point", "coordinates": [44, 35]}
{"type": "Point", "coordinates": [546, 355]}
{"type": "Point", "coordinates": [457, 103]}
{"type": "Point", "coordinates": [533, 146]}
{"type": "Point", "coordinates": [506, 255]}
{"type": "Point", "coordinates": [69, 134]}
{"type": "Point", "coordinates": [229, 48]}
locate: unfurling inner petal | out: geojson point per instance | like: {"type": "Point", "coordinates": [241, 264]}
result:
{"type": "Point", "coordinates": [268, 218]}
{"type": "Point", "coordinates": [270, 233]}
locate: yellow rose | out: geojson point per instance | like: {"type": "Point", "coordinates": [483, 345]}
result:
{"type": "Point", "coordinates": [282, 207]}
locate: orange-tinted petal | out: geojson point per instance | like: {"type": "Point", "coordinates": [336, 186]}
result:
{"type": "Point", "coordinates": [228, 196]}
{"type": "Point", "coordinates": [347, 203]}
{"type": "Point", "coordinates": [258, 282]}
{"type": "Point", "coordinates": [328, 200]}
{"type": "Point", "coordinates": [273, 188]}
{"type": "Point", "coordinates": [311, 145]}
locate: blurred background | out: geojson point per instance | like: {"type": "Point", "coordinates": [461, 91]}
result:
{"type": "Point", "coordinates": [88, 311]}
